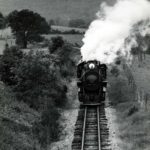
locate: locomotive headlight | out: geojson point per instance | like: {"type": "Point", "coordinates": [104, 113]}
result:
{"type": "Point", "coordinates": [91, 66]}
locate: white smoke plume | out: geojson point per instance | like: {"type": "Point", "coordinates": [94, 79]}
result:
{"type": "Point", "coordinates": [113, 32]}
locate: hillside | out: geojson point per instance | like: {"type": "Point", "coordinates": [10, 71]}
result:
{"type": "Point", "coordinates": [65, 9]}
{"type": "Point", "coordinates": [141, 75]}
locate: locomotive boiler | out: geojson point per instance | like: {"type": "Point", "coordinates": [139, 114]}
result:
{"type": "Point", "coordinates": [91, 82]}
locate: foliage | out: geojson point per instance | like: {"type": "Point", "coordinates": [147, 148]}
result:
{"type": "Point", "coordinates": [57, 42]}
{"type": "Point", "coordinates": [5, 138]}
{"type": "Point", "coordinates": [2, 21]}
{"type": "Point", "coordinates": [26, 25]}
{"type": "Point", "coordinates": [37, 79]}
{"type": "Point", "coordinates": [10, 59]}
{"type": "Point", "coordinates": [41, 82]}
{"type": "Point", "coordinates": [66, 61]}
{"type": "Point", "coordinates": [134, 51]}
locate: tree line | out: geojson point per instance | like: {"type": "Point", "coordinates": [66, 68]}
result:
{"type": "Point", "coordinates": [27, 26]}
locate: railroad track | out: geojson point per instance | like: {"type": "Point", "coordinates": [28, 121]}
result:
{"type": "Point", "coordinates": [91, 132]}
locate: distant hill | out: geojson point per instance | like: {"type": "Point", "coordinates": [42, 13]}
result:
{"type": "Point", "coordinates": [51, 9]}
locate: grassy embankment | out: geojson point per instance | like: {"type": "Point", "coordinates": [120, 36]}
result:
{"type": "Point", "coordinates": [23, 127]}
{"type": "Point", "coordinates": [133, 122]}
{"type": "Point", "coordinates": [16, 121]}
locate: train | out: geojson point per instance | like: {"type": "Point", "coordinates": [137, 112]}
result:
{"type": "Point", "coordinates": [91, 82]}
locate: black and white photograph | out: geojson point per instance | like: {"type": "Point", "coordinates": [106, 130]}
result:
{"type": "Point", "coordinates": [74, 74]}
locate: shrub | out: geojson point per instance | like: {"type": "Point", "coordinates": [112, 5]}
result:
{"type": "Point", "coordinates": [37, 78]}
{"type": "Point", "coordinates": [34, 78]}
{"type": "Point", "coordinates": [57, 42]}
{"type": "Point", "coordinates": [5, 138]}
{"type": "Point", "coordinates": [10, 59]}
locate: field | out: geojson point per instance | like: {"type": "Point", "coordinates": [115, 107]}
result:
{"type": "Point", "coordinates": [63, 29]}
{"type": "Point", "coordinates": [6, 37]}
{"type": "Point", "coordinates": [72, 38]}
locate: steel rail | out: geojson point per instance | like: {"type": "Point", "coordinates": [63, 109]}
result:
{"type": "Point", "coordinates": [83, 132]}
{"type": "Point", "coordinates": [98, 125]}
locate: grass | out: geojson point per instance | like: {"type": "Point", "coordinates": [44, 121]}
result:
{"type": "Point", "coordinates": [63, 28]}
{"type": "Point", "coordinates": [133, 123]}
{"type": "Point", "coordinates": [141, 73]}
{"type": "Point", "coordinates": [77, 38]}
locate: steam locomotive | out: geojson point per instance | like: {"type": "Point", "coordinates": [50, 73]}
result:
{"type": "Point", "coordinates": [91, 82]}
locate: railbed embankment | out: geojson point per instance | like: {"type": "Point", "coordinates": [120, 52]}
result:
{"type": "Point", "coordinates": [138, 75]}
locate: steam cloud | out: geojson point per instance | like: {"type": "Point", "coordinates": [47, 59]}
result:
{"type": "Point", "coordinates": [114, 31]}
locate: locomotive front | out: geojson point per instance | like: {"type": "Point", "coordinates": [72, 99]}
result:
{"type": "Point", "coordinates": [91, 82]}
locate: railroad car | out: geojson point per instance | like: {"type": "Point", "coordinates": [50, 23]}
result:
{"type": "Point", "coordinates": [91, 82]}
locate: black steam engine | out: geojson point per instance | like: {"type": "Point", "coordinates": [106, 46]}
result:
{"type": "Point", "coordinates": [91, 82]}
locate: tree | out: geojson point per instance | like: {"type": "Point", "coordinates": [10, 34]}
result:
{"type": "Point", "coordinates": [2, 21]}
{"type": "Point", "coordinates": [57, 42]}
{"type": "Point", "coordinates": [26, 25]}
{"type": "Point", "coordinates": [9, 60]}
{"type": "Point", "coordinates": [37, 78]}
{"type": "Point", "coordinates": [34, 79]}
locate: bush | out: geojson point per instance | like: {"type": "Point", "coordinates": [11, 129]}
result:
{"type": "Point", "coordinates": [57, 42]}
{"type": "Point", "coordinates": [34, 79]}
{"type": "Point", "coordinates": [10, 59]}
{"type": "Point", "coordinates": [5, 138]}
{"type": "Point", "coordinates": [37, 78]}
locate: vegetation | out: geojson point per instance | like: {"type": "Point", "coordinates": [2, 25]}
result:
{"type": "Point", "coordinates": [72, 31]}
{"type": "Point", "coordinates": [132, 122]}
{"type": "Point", "coordinates": [5, 136]}
{"type": "Point", "coordinates": [57, 42]}
{"type": "Point", "coordinates": [39, 80]}
{"type": "Point", "coordinates": [9, 61]}
{"type": "Point", "coordinates": [2, 21]}
{"type": "Point", "coordinates": [142, 48]}
{"type": "Point", "coordinates": [38, 83]}
{"type": "Point", "coordinates": [27, 26]}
